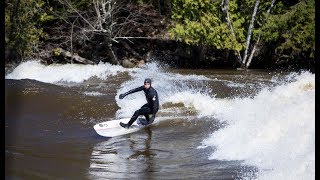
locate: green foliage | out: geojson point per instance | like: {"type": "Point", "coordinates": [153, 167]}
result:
{"type": "Point", "coordinates": [295, 30]}
{"type": "Point", "coordinates": [238, 21]}
{"type": "Point", "coordinates": [23, 25]}
{"type": "Point", "coordinates": [81, 4]}
{"type": "Point", "coordinates": [201, 22]}
{"type": "Point", "coordinates": [140, 1]}
{"type": "Point", "coordinates": [57, 52]}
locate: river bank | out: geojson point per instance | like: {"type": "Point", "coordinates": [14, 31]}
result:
{"type": "Point", "coordinates": [174, 54]}
{"type": "Point", "coordinates": [183, 34]}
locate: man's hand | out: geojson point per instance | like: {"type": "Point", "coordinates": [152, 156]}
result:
{"type": "Point", "coordinates": [122, 96]}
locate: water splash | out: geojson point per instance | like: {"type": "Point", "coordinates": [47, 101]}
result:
{"type": "Point", "coordinates": [168, 85]}
{"type": "Point", "coordinates": [274, 131]}
{"type": "Point", "coordinates": [55, 73]}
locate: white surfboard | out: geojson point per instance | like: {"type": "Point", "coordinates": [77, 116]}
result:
{"type": "Point", "coordinates": [112, 128]}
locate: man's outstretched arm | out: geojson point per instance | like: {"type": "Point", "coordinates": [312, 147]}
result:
{"type": "Point", "coordinates": [121, 96]}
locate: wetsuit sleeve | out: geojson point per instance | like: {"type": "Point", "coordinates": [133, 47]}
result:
{"type": "Point", "coordinates": [134, 90]}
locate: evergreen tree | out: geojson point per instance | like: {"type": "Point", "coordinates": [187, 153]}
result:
{"type": "Point", "coordinates": [293, 31]}
{"type": "Point", "coordinates": [23, 31]}
{"type": "Point", "coordinates": [239, 26]}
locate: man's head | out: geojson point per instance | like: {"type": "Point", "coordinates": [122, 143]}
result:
{"type": "Point", "coordinates": [147, 83]}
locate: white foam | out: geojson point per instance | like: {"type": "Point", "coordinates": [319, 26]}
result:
{"type": "Point", "coordinates": [93, 93]}
{"type": "Point", "coordinates": [203, 103]}
{"type": "Point", "coordinates": [167, 84]}
{"type": "Point", "coordinates": [63, 72]}
{"type": "Point", "coordinates": [274, 131]}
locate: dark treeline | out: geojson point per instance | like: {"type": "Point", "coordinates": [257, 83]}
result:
{"type": "Point", "coordinates": [183, 33]}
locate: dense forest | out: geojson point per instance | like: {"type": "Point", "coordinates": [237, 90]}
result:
{"type": "Point", "coordinates": [185, 33]}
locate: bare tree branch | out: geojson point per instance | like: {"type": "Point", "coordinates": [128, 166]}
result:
{"type": "Point", "coordinates": [71, 7]}
{"type": "Point", "coordinates": [104, 23]}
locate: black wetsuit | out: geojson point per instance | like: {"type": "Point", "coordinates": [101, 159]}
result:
{"type": "Point", "coordinates": [151, 107]}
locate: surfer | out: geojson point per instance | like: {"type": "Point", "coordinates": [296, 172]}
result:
{"type": "Point", "coordinates": [150, 109]}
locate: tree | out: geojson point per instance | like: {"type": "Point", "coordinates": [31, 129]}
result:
{"type": "Point", "coordinates": [23, 31]}
{"type": "Point", "coordinates": [224, 8]}
{"type": "Point", "coordinates": [244, 59]}
{"type": "Point", "coordinates": [200, 22]}
{"type": "Point", "coordinates": [220, 24]}
{"type": "Point", "coordinates": [236, 25]}
{"type": "Point", "coordinates": [105, 22]}
{"type": "Point", "coordinates": [293, 32]}
{"type": "Point", "coordinates": [259, 37]}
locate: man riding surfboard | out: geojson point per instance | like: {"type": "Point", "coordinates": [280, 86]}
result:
{"type": "Point", "coordinates": [150, 109]}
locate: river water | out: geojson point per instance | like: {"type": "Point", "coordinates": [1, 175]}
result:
{"type": "Point", "coordinates": [212, 124]}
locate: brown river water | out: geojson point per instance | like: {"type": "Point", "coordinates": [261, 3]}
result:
{"type": "Point", "coordinates": [205, 128]}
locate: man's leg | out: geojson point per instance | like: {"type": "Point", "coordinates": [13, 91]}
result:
{"type": "Point", "coordinates": [143, 110]}
{"type": "Point", "coordinates": [145, 121]}
{"type": "Point", "coordinates": [133, 118]}
{"type": "Point", "coordinates": [150, 118]}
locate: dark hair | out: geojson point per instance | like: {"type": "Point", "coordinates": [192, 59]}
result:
{"type": "Point", "coordinates": [147, 80]}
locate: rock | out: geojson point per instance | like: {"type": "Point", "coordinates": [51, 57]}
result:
{"type": "Point", "coordinates": [128, 64]}
{"type": "Point", "coordinates": [69, 57]}
{"type": "Point", "coordinates": [141, 63]}
{"type": "Point", "coordinates": [148, 57]}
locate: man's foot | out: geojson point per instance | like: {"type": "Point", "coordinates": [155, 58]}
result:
{"type": "Point", "coordinates": [143, 121]}
{"type": "Point", "coordinates": [124, 125]}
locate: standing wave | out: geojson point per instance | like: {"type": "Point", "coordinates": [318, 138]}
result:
{"type": "Point", "coordinates": [274, 130]}
{"type": "Point", "coordinates": [56, 73]}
